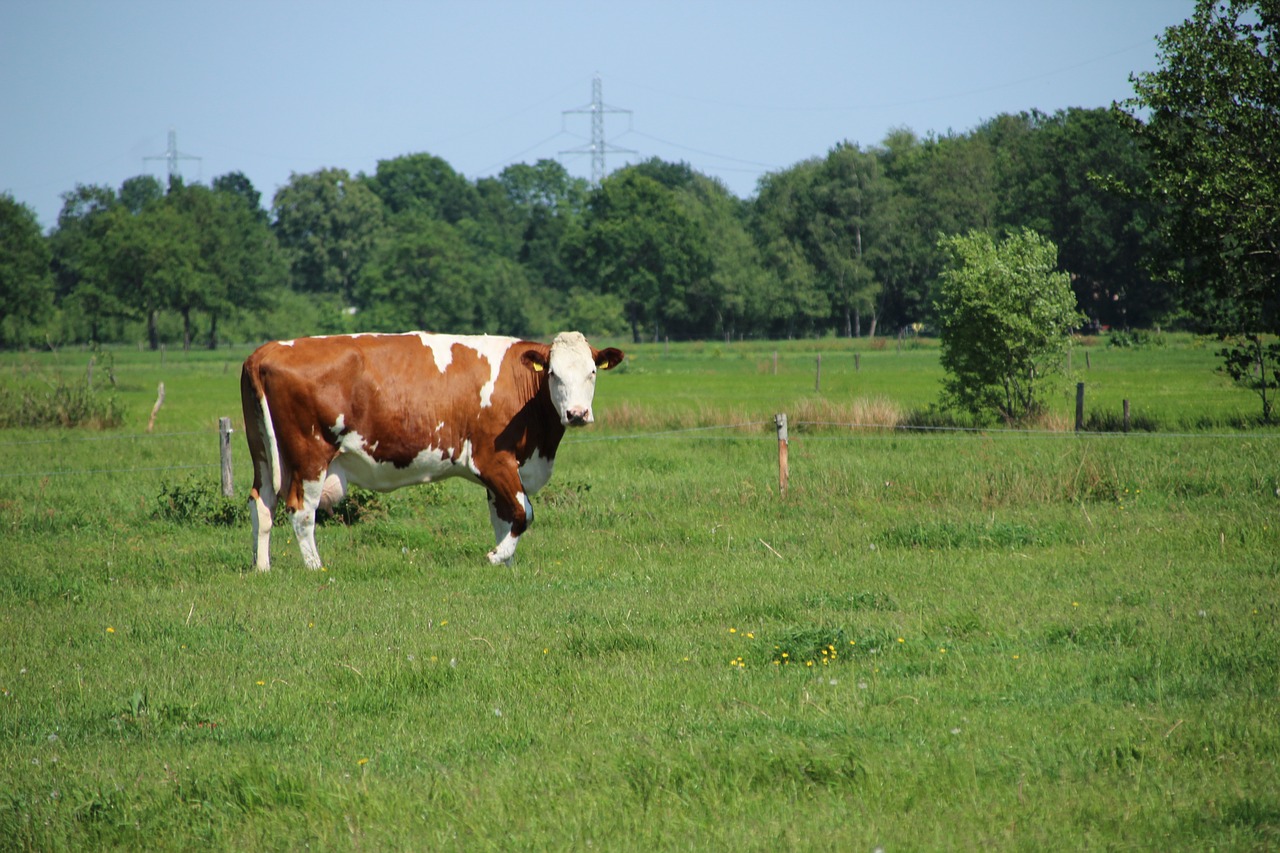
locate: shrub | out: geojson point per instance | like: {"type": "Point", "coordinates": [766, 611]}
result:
{"type": "Point", "coordinates": [197, 501]}
{"type": "Point", "coordinates": [61, 403]}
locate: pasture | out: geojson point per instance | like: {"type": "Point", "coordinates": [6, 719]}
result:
{"type": "Point", "coordinates": [943, 640]}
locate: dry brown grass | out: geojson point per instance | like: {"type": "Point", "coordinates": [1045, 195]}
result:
{"type": "Point", "coordinates": [807, 414]}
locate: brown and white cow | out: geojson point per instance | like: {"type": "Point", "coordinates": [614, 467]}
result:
{"type": "Point", "coordinates": [386, 411]}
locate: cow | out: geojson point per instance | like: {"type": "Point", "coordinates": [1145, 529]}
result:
{"type": "Point", "coordinates": [383, 411]}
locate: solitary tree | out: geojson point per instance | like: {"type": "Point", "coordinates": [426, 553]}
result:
{"type": "Point", "coordinates": [1006, 316]}
{"type": "Point", "coordinates": [1213, 134]}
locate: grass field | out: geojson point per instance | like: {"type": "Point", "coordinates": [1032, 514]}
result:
{"type": "Point", "coordinates": [1039, 641]}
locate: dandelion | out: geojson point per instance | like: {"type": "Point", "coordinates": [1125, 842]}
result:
{"type": "Point", "coordinates": [942, 651]}
{"type": "Point", "coordinates": [110, 630]}
{"type": "Point", "coordinates": [261, 683]}
{"type": "Point", "coordinates": [750, 636]}
{"type": "Point", "coordinates": [733, 630]}
{"type": "Point", "coordinates": [900, 640]}
{"type": "Point", "coordinates": [362, 762]}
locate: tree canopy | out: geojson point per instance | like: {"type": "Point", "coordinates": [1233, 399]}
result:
{"type": "Point", "coordinates": [1212, 134]}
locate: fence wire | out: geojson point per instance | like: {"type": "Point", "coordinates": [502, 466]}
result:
{"type": "Point", "coordinates": [869, 432]}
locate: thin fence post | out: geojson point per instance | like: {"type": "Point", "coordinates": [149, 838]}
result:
{"type": "Point", "coordinates": [857, 362]}
{"type": "Point", "coordinates": [224, 446]}
{"type": "Point", "coordinates": [1087, 364]}
{"type": "Point", "coordinates": [1126, 415]}
{"type": "Point", "coordinates": [775, 362]}
{"type": "Point", "coordinates": [784, 473]}
{"type": "Point", "coordinates": [155, 410]}
{"type": "Point", "coordinates": [1079, 406]}
{"type": "Point", "coordinates": [817, 377]}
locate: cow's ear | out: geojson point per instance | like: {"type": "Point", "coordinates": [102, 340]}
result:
{"type": "Point", "coordinates": [535, 360]}
{"type": "Point", "coordinates": [607, 358]}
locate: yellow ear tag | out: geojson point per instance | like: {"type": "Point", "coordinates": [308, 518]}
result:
{"type": "Point", "coordinates": [537, 367]}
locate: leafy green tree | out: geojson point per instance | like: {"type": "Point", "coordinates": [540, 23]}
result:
{"type": "Point", "coordinates": [26, 284]}
{"type": "Point", "coordinates": [238, 184]}
{"type": "Point", "coordinates": [1213, 136]}
{"type": "Point", "coordinates": [784, 206]}
{"type": "Point", "coordinates": [636, 241]}
{"type": "Point", "coordinates": [942, 185]}
{"type": "Point", "coordinates": [547, 202]}
{"type": "Point", "coordinates": [150, 260]}
{"type": "Point", "coordinates": [327, 224]}
{"type": "Point", "coordinates": [424, 184]}
{"type": "Point", "coordinates": [906, 259]}
{"type": "Point", "coordinates": [88, 307]}
{"type": "Point", "coordinates": [425, 274]}
{"type": "Point", "coordinates": [239, 263]}
{"type": "Point", "coordinates": [731, 297]}
{"type": "Point", "coordinates": [1006, 320]}
{"type": "Point", "coordinates": [1059, 175]}
{"type": "Point", "coordinates": [139, 192]}
{"type": "Point", "coordinates": [848, 198]}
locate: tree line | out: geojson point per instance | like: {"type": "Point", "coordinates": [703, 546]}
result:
{"type": "Point", "coordinates": [845, 244]}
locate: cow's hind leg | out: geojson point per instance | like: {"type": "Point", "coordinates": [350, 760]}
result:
{"type": "Point", "coordinates": [261, 513]}
{"type": "Point", "coordinates": [304, 500]}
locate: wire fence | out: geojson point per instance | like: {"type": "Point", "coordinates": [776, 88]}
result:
{"type": "Point", "coordinates": [715, 432]}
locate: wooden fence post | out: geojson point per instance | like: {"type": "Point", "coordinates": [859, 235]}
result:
{"type": "Point", "coordinates": [857, 362]}
{"type": "Point", "coordinates": [1126, 415]}
{"type": "Point", "coordinates": [224, 445]}
{"type": "Point", "coordinates": [775, 362]}
{"type": "Point", "coordinates": [784, 472]}
{"type": "Point", "coordinates": [1079, 406]}
{"type": "Point", "coordinates": [155, 410]}
{"type": "Point", "coordinates": [817, 377]}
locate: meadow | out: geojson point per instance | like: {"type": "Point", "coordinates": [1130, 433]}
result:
{"type": "Point", "coordinates": [936, 640]}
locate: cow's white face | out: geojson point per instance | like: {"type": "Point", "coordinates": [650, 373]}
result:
{"type": "Point", "coordinates": [572, 378]}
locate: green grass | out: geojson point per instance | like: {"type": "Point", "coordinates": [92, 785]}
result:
{"type": "Point", "coordinates": [1020, 641]}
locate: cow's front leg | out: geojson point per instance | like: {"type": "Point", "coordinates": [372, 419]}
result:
{"type": "Point", "coordinates": [511, 514]}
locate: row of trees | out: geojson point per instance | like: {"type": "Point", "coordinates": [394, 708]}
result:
{"type": "Point", "coordinates": [846, 243]}
{"type": "Point", "coordinates": [1165, 209]}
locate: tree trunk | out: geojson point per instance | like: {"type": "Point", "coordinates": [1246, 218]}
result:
{"type": "Point", "coordinates": [153, 331]}
{"type": "Point", "coordinates": [213, 331]}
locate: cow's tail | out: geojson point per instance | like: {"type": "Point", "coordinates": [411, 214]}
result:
{"type": "Point", "coordinates": [264, 449]}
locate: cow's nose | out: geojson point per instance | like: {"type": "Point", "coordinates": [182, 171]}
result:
{"type": "Point", "coordinates": [578, 417]}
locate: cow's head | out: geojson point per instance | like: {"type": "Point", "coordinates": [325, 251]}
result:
{"type": "Point", "coordinates": [570, 366]}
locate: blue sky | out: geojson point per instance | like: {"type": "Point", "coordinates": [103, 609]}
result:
{"type": "Point", "coordinates": [89, 88]}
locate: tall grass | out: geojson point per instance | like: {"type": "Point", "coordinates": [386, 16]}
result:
{"type": "Point", "coordinates": [1030, 640]}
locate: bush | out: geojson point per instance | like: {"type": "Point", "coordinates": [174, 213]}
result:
{"type": "Point", "coordinates": [198, 501]}
{"type": "Point", "coordinates": [1007, 316]}
{"type": "Point", "coordinates": [60, 404]}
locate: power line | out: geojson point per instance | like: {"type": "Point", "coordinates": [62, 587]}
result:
{"type": "Point", "coordinates": [700, 151]}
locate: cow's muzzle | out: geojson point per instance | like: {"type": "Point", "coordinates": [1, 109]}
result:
{"type": "Point", "coordinates": [577, 417]}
